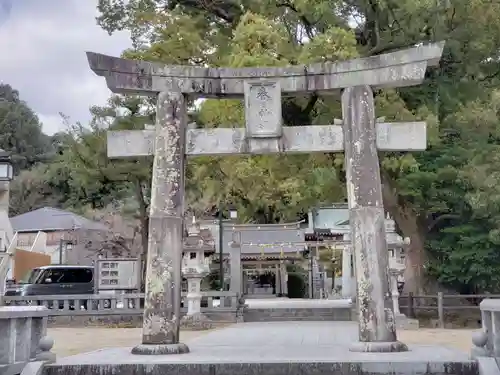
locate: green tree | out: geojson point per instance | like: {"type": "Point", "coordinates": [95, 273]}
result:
{"type": "Point", "coordinates": [97, 181]}
{"type": "Point", "coordinates": [21, 131]}
{"type": "Point", "coordinates": [425, 192]}
{"type": "Point", "coordinates": [465, 254]}
{"type": "Point", "coordinates": [34, 188]}
{"type": "Point", "coordinates": [21, 135]}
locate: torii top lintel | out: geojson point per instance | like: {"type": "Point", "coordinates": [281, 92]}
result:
{"type": "Point", "coordinates": [396, 69]}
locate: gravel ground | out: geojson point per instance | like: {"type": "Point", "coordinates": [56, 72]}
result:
{"type": "Point", "coordinates": [69, 341]}
{"type": "Point", "coordinates": [454, 338]}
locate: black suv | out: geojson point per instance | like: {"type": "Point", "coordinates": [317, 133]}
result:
{"type": "Point", "coordinates": [54, 280]}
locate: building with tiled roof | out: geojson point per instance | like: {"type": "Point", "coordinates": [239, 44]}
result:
{"type": "Point", "coordinates": [48, 219]}
{"type": "Point", "coordinates": [65, 234]}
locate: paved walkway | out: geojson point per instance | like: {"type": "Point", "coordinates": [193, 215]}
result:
{"type": "Point", "coordinates": [71, 341]}
{"type": "Point", "coordinates": [264, 340]}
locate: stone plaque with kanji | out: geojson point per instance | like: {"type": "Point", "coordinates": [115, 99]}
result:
{"type": "Point", "coordinates": [263, 109]}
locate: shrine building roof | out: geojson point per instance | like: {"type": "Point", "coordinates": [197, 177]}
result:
{"type": "Point", "coordinates": [257, 239]}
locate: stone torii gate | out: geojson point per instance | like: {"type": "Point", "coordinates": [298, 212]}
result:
{"type": "Point", "coordinates": [262, 88]}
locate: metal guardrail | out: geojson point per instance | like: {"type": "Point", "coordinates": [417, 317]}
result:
{"type": "Point", "coordinates": [115, 304]}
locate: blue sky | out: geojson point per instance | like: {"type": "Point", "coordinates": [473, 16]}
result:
{"type": "Point", "coordinates": [42, 54]}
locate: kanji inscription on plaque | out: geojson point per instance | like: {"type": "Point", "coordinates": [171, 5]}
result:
{"type": "Point", "coordinates": [263, 109]}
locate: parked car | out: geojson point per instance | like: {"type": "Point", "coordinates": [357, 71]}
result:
{"type": "Point", "coordinates": [55, 280]}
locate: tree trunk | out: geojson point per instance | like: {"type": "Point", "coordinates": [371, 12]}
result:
{"type": "Point", "coordinates": [414, 274]}
{"type": "Point", "coordinates": [408, 223]}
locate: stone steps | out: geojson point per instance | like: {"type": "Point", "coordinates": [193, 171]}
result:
{"type": "Point", "coordinates": [297, 314]}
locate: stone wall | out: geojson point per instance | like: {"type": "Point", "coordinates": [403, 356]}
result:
{"type": "Point", "coordinates": [129, 321]}
{"type": "Point", "coordinates": [297, 314]}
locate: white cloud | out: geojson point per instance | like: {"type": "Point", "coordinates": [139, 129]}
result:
{"type": "Point", "coordinates": [42, 55]}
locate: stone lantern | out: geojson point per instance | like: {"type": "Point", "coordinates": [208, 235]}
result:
{"type": "Point", "coordinates": [195, 266]}
{"type": "Point", "coordinates": [396, 247]}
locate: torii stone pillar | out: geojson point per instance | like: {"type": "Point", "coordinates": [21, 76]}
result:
{"type": "Point", "coordinates": [160, 332]}
{"type": "Point", "coordinates": [262, 89]}
{"type": "Point", "coordinates": [367, 221]}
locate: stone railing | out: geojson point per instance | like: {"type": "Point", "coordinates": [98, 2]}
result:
{"type": "Point", "coordinates": [22, 331]}
{"type": "Point", "coordinates": [117, 304]}
{"type": "Point", "coordinates": [487, 340]}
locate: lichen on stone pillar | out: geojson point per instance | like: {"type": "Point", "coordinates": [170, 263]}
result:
{"type": "Point", "coordinates": [160, 332]}
{"type": "Point", "coordinates": [377, 329]}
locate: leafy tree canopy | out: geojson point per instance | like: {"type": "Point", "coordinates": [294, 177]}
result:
{"type": "Point", "coordinates": [443, 198]}
{"type": "Point", "coordinates": [21, 131]}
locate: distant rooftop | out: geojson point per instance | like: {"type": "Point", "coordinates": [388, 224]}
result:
{"type": "Point", "coordinates": [335, 217]}
{"type": "Point", "coordinates": [48, 219]}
